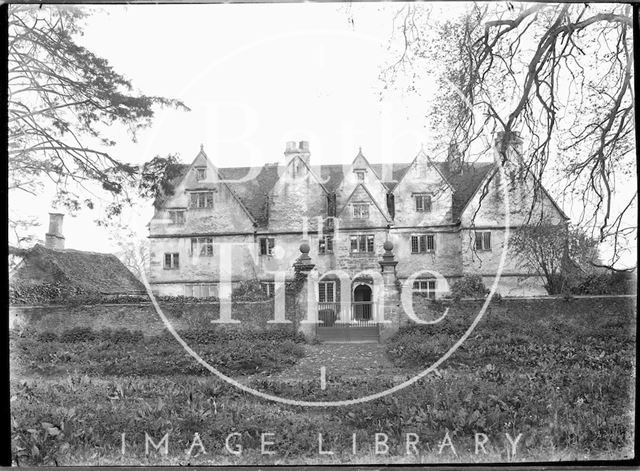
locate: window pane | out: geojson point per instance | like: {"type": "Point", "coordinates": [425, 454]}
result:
{"type": "Point", "coordinates": [370, 243]}
{"type": "Point", "coordinates": [354, 243]}
{"type": "Point", "coordinates": [418, 203]}
{"type": "Point", "coordinates": [330, 292]}
{"type": "Point", "coordinates": [431, 243]}
{"type": "Point", "coordinates": [487, 240]}
{"type": "Point", "coordinates": [167, 260]}
{"type": "Point", "coordinates": [321, 245]}
{"type": "Point", "coordinates": [427, 203]}
{"type": "Point", "coordinates": [423, 243]}
{"type": "Point", "coordinates": [263, 246]}
{"type": "Point", "coordinates": [478, 236]}
{"type": "Point", "coordinates": [209, 200]}
{"type": "Point", "coordinates": [330, 244]}
{"type": "Point", "coordinates": [362, 243]}
{"type": "Point", "coordinates": [322, 292]}
{"type": "Point", "coordinates": [414, 244]}
{"type": "Point", "coordinates": [416, 285]}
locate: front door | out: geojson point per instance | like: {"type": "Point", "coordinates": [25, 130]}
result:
{"type": "Point", "coordinates": [362, 303]}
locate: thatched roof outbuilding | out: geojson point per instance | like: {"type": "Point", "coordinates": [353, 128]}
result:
{"type": "Point", "coordinates": [86, 271]}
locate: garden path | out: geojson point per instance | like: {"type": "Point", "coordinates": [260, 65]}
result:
{"type": "Point", "coordinates": [341, 359]}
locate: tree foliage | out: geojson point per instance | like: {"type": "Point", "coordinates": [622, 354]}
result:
{"type": "Point", "coordinates": [62, 101]}
{"type": "Point", "coordinates": [558, 253]}
{"type": "Point", "coordinates": [557, 75]}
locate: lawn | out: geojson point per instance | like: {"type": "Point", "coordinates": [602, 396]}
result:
{"type": "Point", "coordinates": [559, 375]}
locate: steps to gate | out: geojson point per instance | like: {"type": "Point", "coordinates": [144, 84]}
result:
{"type": "Point", "coordinates": [348, 334]}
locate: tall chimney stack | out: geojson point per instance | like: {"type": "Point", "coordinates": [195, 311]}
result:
{"type": "Point", "coordinates": [513, 146]}
{"type": "Point", "coordinates": [300, 149]}
{"type": "Point", "coordinates": [54, 238]}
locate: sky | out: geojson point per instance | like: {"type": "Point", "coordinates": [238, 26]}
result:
{"type": "Point", "coordinates": [254, 76]}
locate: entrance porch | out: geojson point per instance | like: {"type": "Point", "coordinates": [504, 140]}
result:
{"type": "Point", "coordinates": [355, 322]}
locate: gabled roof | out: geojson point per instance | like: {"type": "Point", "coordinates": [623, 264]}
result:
{"type": "Point", "coordinates": [90, 271]}
{"type": "Point", "coordinates": [488, 174]}
{"type": "Point", "coordinates": [315, 176]}
{"type": "Point", "coordinates": [202, 154]}
{"type": "Point", "coordinates": [465, 183]}
{"type": "Point", "coordinates": [360, 155]}
{"type": "Point", "coordinates": [253, 193]}
{"type": "Point", "coordinates": [422, 153]}
{"type": "Point", "coordinates": [360, 185]}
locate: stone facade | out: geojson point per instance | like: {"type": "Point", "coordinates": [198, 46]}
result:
{"type": "Point", "coordinates": [248, 223]}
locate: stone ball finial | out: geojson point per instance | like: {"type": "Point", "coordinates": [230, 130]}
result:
{"type": "Point", "coordinates": [388, 246]}
{"type": "Point", "coordinates": [304, 248]}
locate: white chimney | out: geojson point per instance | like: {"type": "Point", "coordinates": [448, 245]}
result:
{"type": "Point", "coordinates": [54, 238]}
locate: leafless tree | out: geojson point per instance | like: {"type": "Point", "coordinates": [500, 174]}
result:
{"type": "Point", "coordinates": [22, 229]}
{"type": "Point", "coordinates": [556, 252]}
{"type": "Point", "coordinates": [558, 75]}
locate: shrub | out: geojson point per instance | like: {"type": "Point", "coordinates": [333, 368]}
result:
{"type": "Point", "coordinates": [47, 336]}
{"type": "Point", "coordinates": [557, 283]}
{"type": "Point", "coordinates": [126, 336]}
{"type": "Point", "coordinates": [242, 334]}
{"type": "Point", "coordinates": [78, 334]}
{"type": "Point", "coordinates": [250, 290]}
{"type": "Point", "coordinates": [603, 283]}
{"type": "Point", "coordinates": [470, 286]}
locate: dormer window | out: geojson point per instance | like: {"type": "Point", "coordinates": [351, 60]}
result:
{"type": "Point", "coordinates": [361, 210]}
{"type": "Point", "coordinates": [201, 173]}
{"type": "Point", "coordinates": [360, 174]}
{"type": "Point", "coordinates": [423, 203]}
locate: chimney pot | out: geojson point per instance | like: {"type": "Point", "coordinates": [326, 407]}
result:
{"type": "Point", "coordinates": [298, 149]}
{"type": "Point", "coordinates": [291, 147]}
{"type": "Point", "coordinates": [54, 238]}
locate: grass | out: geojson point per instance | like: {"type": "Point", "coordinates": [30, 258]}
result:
{"type": "Point", "coordinates": [564, 381]}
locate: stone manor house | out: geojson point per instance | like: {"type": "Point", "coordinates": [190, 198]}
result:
{"type": "Point", "coordinates": [444, 218]}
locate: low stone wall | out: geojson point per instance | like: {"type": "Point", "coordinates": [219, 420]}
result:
{"type": "Point", "coordinates": [139, 316]}
{"type": "Point", "coordinates": [188, 316]}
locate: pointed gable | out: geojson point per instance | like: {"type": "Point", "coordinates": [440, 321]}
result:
{"type": "Point", "coordinates": [361, 210]}
{"type": "Point", "coordinates": [222, 211]}
{"type": "Point", "coordinates": [298, 194]}
{"type": "Point", "coordinates": [423, 179]}
{"type": "Point", "coordinates": [528, 202]}
{"type": "Point", "coordinates": [360, 172]}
